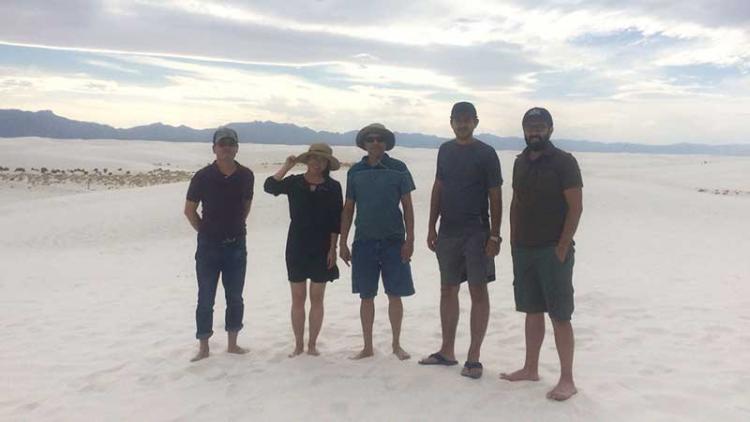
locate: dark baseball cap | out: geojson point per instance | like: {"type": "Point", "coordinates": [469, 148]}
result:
{"type": "Point", "coordinates": [463, 107]}
{"type": "Point", "coordinates": [537, 113]}
{"type": "Point", "coordinates": [226, 133]}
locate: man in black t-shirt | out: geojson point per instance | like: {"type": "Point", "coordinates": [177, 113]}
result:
{"type": "Point", "coordinates": [224, 190]}
{"type": "Point", "coordinates": [466, 196]}
{"type": "Point", "coordinates": [544, 216]}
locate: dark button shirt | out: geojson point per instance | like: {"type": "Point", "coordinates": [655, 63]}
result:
{"type": "Point", "coordinates": [538, 187]}
{"type": "Point", "coordinates": [377, 191]}
{"type": "Point", "coordinates": [222, 200]}
{"type": "Point", "coordinates": [466, 173]}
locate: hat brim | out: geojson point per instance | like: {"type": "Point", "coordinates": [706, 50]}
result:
{"type": "Point", "coordinates": [333, 163]}
{"type": "Point", "coordinates": [390, 139]}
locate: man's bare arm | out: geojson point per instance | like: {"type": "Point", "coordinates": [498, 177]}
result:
{"type": "Point", "coordinates": [574, 199]}
{"type": "Point", "coordinates": [513, 219]}
{"type": "Point", "coordinates": [191, 212]}
{"type": "Point", "coordinates": [408, 248]}
{"type": "Point", "coordinates": [492, 248]}
{"type": "Point", "coordinates": [347, 214]}
{"type": "Point", "coordinates": [437, 189]}
{"type": "Point", "coordinates": [406, 204]}
{"type": "Point", "coordinates": [247, 205]}
{"type": "Point", "coordinates": [496, 210]}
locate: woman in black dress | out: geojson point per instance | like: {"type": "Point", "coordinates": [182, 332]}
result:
{"type": "Point", "coordinates": [315, 203]}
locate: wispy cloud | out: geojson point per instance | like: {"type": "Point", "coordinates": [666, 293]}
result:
{"type": "Point", "coordinates": [112, 66]}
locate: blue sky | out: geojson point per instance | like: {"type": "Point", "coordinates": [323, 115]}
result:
{"type": "Point", "coordinates": [655, 72]}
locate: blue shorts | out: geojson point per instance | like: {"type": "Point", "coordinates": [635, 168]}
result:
{"type": "Point", "coordinates": [370, 258]}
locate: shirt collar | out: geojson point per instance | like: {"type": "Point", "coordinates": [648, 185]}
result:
{"type": "Point", "coordinates": [546, 152]}
{"type": "Point", "coordinates": [380, 164]}
{"type": "Point", "coordinates": [215, 167]}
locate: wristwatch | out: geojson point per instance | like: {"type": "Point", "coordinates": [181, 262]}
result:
{"type": "Point", "coordinates": [496, 239]}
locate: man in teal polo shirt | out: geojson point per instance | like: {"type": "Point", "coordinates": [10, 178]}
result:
{"type": "Point", "coordinates": [384, 236]}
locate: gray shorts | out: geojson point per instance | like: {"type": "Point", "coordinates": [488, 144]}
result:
{"type": "Point", "coordinates": [462, 258]}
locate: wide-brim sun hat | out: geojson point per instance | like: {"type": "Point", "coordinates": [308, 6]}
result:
{"type": "Point", "coordinates": [379, 129]}
{"type": "Point", "coordinates": [322, 150]}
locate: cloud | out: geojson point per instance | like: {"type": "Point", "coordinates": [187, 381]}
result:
{"type": "Point", "coordinates": [704, 12]}
{"type": "Point", "coordinates": [337, 64]}
{"type": "Point", "coordinates": [112, 66]}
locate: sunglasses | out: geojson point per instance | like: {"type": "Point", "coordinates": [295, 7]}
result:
{"type": "Point", "coordinates": [371, 139]}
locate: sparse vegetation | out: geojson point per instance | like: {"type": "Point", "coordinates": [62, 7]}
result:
{"type": "Point", "coordinates": [92, 180]}
{"type": "Point", "coordinates": [725, 192]}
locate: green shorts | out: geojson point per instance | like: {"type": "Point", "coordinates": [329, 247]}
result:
{"type": "Point", "coordinates": [541, 283]}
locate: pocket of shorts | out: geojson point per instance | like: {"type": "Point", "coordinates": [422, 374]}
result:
{"type": "Point", "coordinates": [568, 256]}
{"type": "Point", "coordinates": [557, 258]}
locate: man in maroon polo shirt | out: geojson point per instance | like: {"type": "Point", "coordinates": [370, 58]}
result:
{"type": "Point", "coordinates": [224, 190]}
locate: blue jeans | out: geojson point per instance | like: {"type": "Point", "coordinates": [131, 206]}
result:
{"type": "Point", "coordinates": [229, 258]}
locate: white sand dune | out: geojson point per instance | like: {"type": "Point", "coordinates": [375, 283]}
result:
{"type": "Point", "coordinates": [97, 297]}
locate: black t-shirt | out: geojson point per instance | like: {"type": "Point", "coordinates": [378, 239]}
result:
{"type": "Point", "coordinates": [466, 173]}
{"type": "Point", "coordinates": [222, 200]}
{"type": "Point", "coordinates": [538, 187]}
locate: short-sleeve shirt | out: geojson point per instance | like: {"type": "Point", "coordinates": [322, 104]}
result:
{"type": "Point", "coordinates": [466, 173]}
{"type": "Point", "coordinates": [377, 191]}
{"type": "Point", "coordinates": [538, 187]}
{"type": "Point", "coordinates": [222, 200]}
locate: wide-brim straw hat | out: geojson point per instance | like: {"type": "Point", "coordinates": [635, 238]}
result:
{"type": "Point", "coordinates": [320, 150]}
{"type": "Point", "coordinates": [376, 128]}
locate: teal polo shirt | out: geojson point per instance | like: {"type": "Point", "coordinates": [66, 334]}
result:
{"type": "Point", "coordinates": [377, 191]}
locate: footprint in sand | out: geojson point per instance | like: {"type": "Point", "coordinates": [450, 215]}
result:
{"type": "Point", "coordinates": [279, 357]}
{"type": "Point", "coordinates": [340, 408]}
{"type": "Point", "coordinates": [149, 379]}
{"type": "Point", "coordinates": [28, 407]}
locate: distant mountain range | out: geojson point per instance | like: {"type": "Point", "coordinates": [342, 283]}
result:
{"type": "Point", "coordinates": [46, 124]}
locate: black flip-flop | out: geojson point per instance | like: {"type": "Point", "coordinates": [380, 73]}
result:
{"type": "Point", "coordinates": [467, 371]}
{"type": "Point", "coordinates": [438, 359]}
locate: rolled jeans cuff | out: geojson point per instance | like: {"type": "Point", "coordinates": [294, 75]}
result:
{"type": "Point", "coordinates": [203, 336]}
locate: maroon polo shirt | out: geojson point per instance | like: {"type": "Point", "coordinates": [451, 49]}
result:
{"type": "Point", "coordinates": [222, 200]}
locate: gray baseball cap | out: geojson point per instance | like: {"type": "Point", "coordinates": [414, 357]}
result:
{"type": "Point", "coordinates": [226, 133]}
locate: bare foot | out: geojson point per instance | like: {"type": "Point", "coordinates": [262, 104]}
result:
{"type": "Point", "coordinates": [521, 375]}
{"type": "Point", "coordinates": [401, 353]}
{"type": "Point", "coordinates": [365, 353]}
{"type": "Point", "coordinates": [312, 351]}
{"type": "Point", "coordinates": [297, 351]}
{"type": "Point", "coordinates": [562, 391]}
{"type": "Point", "coordinates": [202, 354]}
{"type": "Point", "coordinates": [237, 350]}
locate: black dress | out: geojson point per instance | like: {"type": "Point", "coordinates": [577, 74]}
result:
{"type": "Point", "coordinates": [315, 214]}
